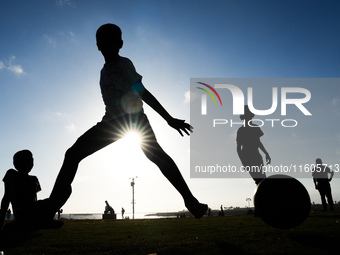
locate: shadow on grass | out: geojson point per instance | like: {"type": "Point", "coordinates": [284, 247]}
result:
{"type": "Point", "coordinates": [11, 236]}
{"type": "Point", "coordinates": [320, 234]}
{"type": "Point", "coordinates": [320, 241]}
{"type": "Point", "coordinates": [231, 249]}
{"type": "Point", "coordinates": [223, 249]}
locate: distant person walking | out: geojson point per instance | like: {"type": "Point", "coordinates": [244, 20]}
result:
{"type": "Point", "coordinates": [322, 176]}
{"type": "Point", "coordinates": [248, 145]}
{"type": "Point", "coordinates": [60, 211]}
{"type": "Point", "coordinates": [221, 211]}
{"type": "Point", "coordinates": [123, 211]}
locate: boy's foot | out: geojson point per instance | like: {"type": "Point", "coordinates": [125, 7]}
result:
{"type": "Point", "coordinates": [197, 209]}
{"type": "Point", "coordinates": [45, 210]}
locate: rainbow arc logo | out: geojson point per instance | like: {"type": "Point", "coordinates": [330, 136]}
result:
{"type": "Point", "coordinates": [204, 98]}
{"type": "Point", "coordinates": [209, 93]}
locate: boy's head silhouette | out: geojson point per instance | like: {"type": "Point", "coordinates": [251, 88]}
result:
{"type": "Point", "coordinates": [318, 161]}
{"type": "Point", "coordinates": [248, 115]}
{"type": "Point", "coordinates": [23, 161]}
{"type": "Point", "coordinates": [109, 38]}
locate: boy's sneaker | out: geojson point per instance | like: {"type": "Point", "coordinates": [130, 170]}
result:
{"type": "Point", "coordinates": [197, 209]}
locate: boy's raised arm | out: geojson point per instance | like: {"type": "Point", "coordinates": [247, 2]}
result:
{"type": "Point", "coordinates": [147, 97]}
{"type": "Point", "coordinates": [268, 159]}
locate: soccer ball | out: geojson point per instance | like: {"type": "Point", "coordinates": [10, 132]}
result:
{"type": "Point", "coordinates": [282, 201]}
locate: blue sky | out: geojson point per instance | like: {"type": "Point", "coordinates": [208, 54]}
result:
{"type": "Point", "coordinates": [49, 73]}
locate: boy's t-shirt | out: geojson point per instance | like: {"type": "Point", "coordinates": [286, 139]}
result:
{"type": "Point", "coordinates": [116, 80]}
{"type": "Point", "coordinates": [23, 189]}
{"type": "Point", "coordinates": [320, 172]}
{"type": "Point", "coordinates": [249, 138]}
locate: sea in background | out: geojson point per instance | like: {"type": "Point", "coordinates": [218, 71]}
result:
{"type": "Point", "coordinates": [158, 215]}
{"type": "Point", "coordinates": [163, 215]}
{"type": "Point", "coordinates": [99, 216]}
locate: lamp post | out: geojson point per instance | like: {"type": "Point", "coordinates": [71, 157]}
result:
{"type": "Point", "coordinates": [133, 196]}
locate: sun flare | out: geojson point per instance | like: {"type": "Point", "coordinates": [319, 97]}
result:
{"type": "Point", "coordinates": [132, 138]}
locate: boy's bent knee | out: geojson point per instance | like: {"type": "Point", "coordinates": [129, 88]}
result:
{"type": "Point", "coordinates": [157, 155]}
{"type": "Point", "coordinates": [73, 154]}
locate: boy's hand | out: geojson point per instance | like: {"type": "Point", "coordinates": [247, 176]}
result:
{"type": "Point", "coordinates": [180, 126]}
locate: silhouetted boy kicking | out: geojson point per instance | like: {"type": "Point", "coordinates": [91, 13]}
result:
{"type": "Point", "coordinates": [248, 145]}
{"type": "Point", "coordinates": [20, 189]}
{"type": "Point", "coordinates": [123, 93]}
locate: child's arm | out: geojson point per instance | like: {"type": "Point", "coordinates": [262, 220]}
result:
{"type": "Point", "coordinates": [331, 177]}
{"type": "Point", "coordinates": [268, 159]}
{"type": "Point", "coordinates": [4, 206]}
{"type": "Point", "coordinates": [315, 183]}
{"type": "Point", "coordinates": [239, 152]}
{"type": "Point", "coordinates": [148, 98]}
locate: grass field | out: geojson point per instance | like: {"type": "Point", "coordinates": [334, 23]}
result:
{"type": "Point", "coordinates": [319, 234]}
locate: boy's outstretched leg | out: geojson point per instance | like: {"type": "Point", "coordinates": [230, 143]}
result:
{"type": "Point", "coordinates": [96, 138]}
{"type": "Point", "coordinates": [172, 173]}
{"type": "Point", "coordinates": [168, 167]}
{"type": "Point", "coordinates": [62, 188]}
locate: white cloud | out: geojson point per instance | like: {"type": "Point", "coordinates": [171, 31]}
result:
{"type": "Point", "coordinates": [191, 96]}
{"type": "Point", "coordinates": [57, 37]}
{"type": "Point", "coordinates": [17, 69]}
{"type": "Point", "coordinates": [60, 114]}
{"type": "Point", "coordinates": [71, 128]}
{"type": "Point", "coordinates": [50, 40]}
{"type": "Point", "coordinates": [187, 97]}
{"type": "Point", "coordinates": [12, 67]}
{"type": "Point", "coordinates": [62, 3]}
{"type": "Point", "coordinates": [64, 117]}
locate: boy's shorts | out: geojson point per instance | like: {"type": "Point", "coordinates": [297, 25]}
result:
{"type": "Point", "coordinates": [107, 132]}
